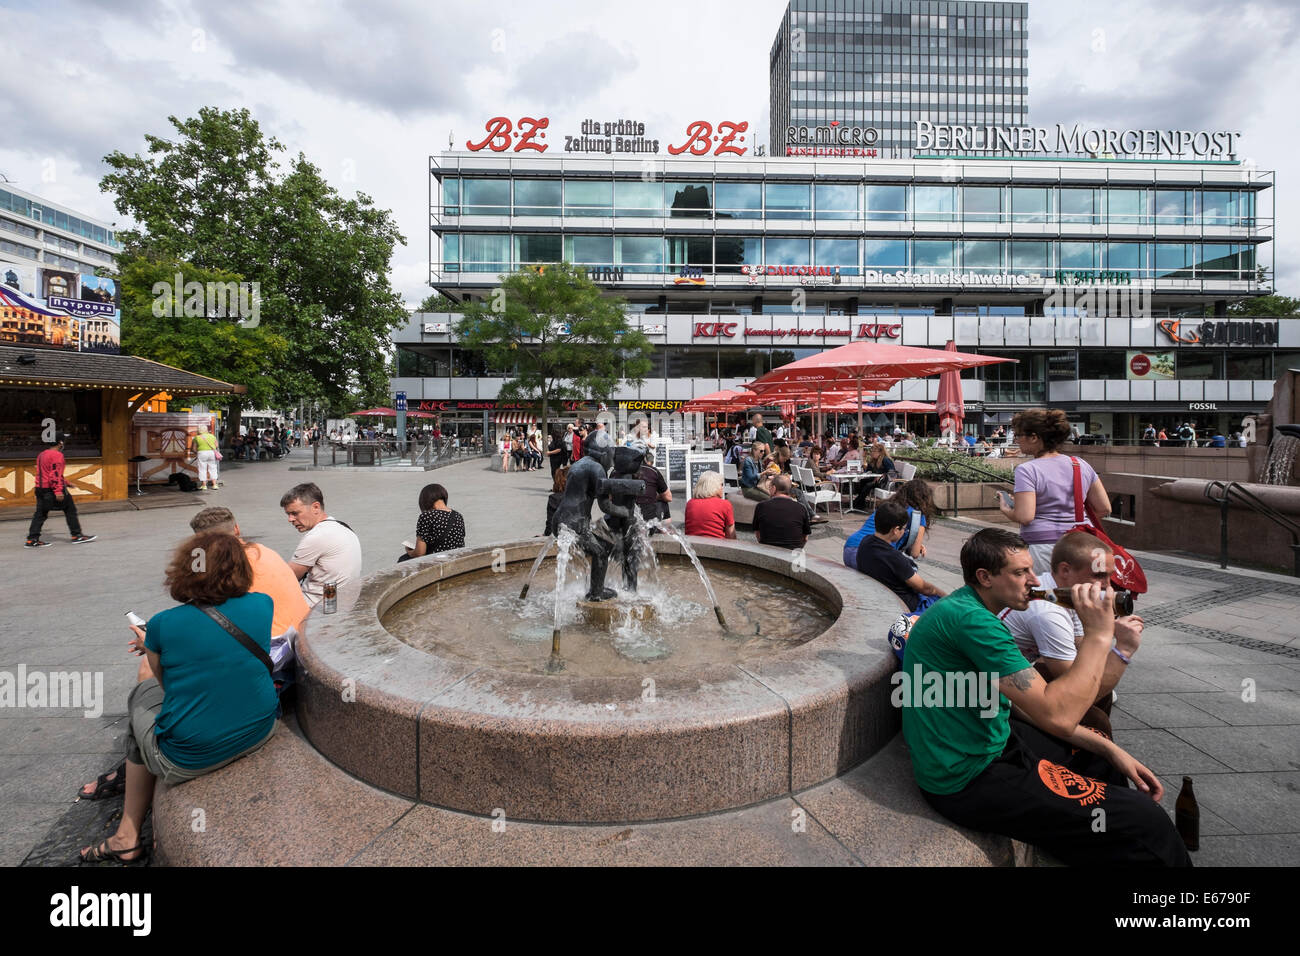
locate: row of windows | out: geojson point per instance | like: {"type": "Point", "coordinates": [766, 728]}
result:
{"type": "Point", "coordinates": [17, 227]}
{"type": "Point", "coordinates": [847, 201]}
{"type": "Point", "coordinates": [18, 249]}
{"type": "Point", "coordinates": [499, 252]}
{"type": "Point", "coordinates": [1030, 372]}
{"type": "Point", "coordinates": [854, 83]}
{"type": "Point", "coordinates": [904, 21]}
{"type": "Point", "coordinates": [52, 217]}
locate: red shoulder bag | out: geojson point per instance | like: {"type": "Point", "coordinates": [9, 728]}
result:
{"type": "Point", "coordinates": [1128, 574]}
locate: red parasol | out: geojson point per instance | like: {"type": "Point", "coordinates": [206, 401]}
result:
{"type": "Point", "coordinates": [949, 406]}
{"type": "Point", "coordinates": [873, 365]}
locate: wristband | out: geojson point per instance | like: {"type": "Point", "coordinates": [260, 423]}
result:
{"type": "Point", "coordinates": [1121, 655]}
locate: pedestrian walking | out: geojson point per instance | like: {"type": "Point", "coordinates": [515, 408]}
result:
{"type": "Point", "coordinates": [52, 494]}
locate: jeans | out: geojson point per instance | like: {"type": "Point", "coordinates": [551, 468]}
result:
{"type": "Point", "coordinates": [46, 501]}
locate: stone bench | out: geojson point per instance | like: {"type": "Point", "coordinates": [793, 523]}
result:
{"type": "Point", "coordinates": [286, 805]}
{"type": "Point", "coordinates": [743, 507]}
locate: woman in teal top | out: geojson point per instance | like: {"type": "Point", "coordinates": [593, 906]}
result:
{"type": "Point", "coordinates": [204, 697]}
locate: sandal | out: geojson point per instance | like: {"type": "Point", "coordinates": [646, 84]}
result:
{"type": "Point", "coordinates": [105, 854]}
{"type": "Point", "coordinates": [105, 788]}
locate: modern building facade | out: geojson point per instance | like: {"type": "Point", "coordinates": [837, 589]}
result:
{"type": "Point", "coordinates": [880, 65]}
{"type": "Point", "coordinates": [1097, 276]}
{"type": "Point", "coordinates": [49, 292]}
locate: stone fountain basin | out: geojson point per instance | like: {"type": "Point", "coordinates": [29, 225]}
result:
{"type": "Point", "coordinates": [488, 741]}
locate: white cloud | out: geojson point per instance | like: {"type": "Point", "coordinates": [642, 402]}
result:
{"type": "Point", "coordinates": [369, 89]}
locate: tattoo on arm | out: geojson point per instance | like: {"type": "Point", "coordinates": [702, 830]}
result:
{"type": "Point", "coordinates": [1022, 680]}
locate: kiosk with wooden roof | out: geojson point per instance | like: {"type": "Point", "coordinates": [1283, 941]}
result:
{"type": "Point", "coordinates": [92, 397]}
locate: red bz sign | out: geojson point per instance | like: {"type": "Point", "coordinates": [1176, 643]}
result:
{"type": "Point", "coordinates": [712, 329]}
{"type": "Point", "coordinates": [701, 138]}
{"type": "Point", "coordinates": [501, 133]}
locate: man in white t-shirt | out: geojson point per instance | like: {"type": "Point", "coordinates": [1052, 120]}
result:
{"type": "Point", "coordinates": [1047, 633]}
{"type": "Point", "coordinates": [329, 552]}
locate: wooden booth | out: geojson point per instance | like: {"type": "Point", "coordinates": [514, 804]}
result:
{"type": "Point", "coordinates": [91, 397]}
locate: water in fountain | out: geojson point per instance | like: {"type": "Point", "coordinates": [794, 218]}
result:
{"type": "Point", "coordinates": [564, 541]}
{"type": "Point", "coordinates": [1281, 460]}
{"type": "Point", "coordinates": [541, 555]}
{"type": "Point", "coordinates": [690, 553]}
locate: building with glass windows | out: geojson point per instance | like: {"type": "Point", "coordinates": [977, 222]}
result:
{"type": "Point", "coordinates": [1109, 281]}
{"type": "Point", "coordinates": [883, 64]}
{"type": "Point", "coordinates": [38, 231]}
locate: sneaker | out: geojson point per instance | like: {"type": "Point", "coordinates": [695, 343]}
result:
{"type": "Point", "coordinates": [38, 543]}
{"type": "Point", "coordinates": [83, 538]}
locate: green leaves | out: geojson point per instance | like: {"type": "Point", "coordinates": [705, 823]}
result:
{"type": "Point", "coordinates": [211, 202]}
{"type": "Point", "coordinates": [561, 337]}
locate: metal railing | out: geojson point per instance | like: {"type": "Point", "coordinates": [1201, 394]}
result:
{"type": "Point", "coordinates": [1233, 491]}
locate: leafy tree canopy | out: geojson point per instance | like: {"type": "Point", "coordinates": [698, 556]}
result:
{"type": "Point", "coordinates": [565, 339]}
{"type": "Point", "coordinates": [214, 200]}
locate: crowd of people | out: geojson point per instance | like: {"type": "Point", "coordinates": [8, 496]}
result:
{"type": "Point", "coordinates": [213, 667]}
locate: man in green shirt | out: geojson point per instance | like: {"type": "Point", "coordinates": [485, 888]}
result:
{"type": "Point", "coordinates": [1040, 778]}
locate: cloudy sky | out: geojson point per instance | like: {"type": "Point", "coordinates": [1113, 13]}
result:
{"type": "Point", "coordinates": [367, 89]}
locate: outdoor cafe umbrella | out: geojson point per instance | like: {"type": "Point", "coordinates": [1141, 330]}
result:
{"type": "Point", "coordinates": [905, 407]}
{"type": "Point", "coordinates": [949, 405]}
{"type": "Point", "coordinates": [872, 364]}
{"type": "Point", "coordinates": [727, 400]}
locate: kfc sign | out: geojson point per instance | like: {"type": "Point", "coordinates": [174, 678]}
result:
{"type": "Point", "coordinates": [876, 331]}
{"type": "Point", "coordinates": [715, 329]}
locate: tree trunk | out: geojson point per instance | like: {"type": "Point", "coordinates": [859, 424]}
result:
{"type": "Point", "coordinates": [236, 413]}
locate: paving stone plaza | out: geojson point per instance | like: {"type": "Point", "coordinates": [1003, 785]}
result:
{"type": "Point", "coordinates": [1213, 693]}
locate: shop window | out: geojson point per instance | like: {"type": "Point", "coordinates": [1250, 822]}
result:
{"type": "Point", "coordinates": [692, 362]}
{"type": "Point", "coordinates": [689, 200]}
{"type": "Point", "coordinates": [638, 199]}
{"type": "Point", "coordinates": [739, 200]}
{"type": "Point", "coordinates": [788, 200]}
{"type": "Point", "coordinates": [588, 198]}
{"type": "Point", "coordinates": [1250, 366]}
{"type": "Point", "coordinates": [486, 197]}
{"type": "Point", "coordinates": [23, 412]}
{"type": "Point", "coordinates": [538, 197]}
{"type": "Point", "coordinates": [743, 363]}
{"type": "Point", "coordinates": [1199, 364]}
{"type": "Point", "coordinates": [1105, 364]}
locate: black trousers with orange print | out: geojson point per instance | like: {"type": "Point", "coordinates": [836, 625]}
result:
{"type": "Point", "coordinates": [1072, 803]}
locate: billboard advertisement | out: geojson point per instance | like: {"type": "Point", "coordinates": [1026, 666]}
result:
{"type": "Point", "coordinates": [57, 308]}
{"type": "Point", "coordinates": [1147, 366]}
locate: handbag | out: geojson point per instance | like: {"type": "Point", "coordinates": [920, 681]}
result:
{"type": "Point", "coordinates": [1128, 574]}
{"type": "Point", "coordinates": [234, 631]}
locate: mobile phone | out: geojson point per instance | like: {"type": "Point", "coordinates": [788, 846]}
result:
{"type": "Point", "coordinates": [1006, 499]}
{"type": "Point", "coordinates": [408, 545]}
{"type": "Point", "coordinates": [135, 619]}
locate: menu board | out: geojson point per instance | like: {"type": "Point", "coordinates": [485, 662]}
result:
{"type": "Point", "coordinates": [676, 473]}
{"type": "Point", "coordinates": [697, 465]}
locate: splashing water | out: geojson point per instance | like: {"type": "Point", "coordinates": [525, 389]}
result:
{"type": "Point", "coordinates": [541, 556]}
{"type": "Point", "coordinates": [1281, 460]}
{"type": "Point", "coordinates": [564, 542]}
{"type": "Point", "coordinates": [690, 553]}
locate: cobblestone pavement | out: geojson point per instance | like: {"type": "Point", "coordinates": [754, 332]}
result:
{"type": "Point", "coordinates": [1213, 693]}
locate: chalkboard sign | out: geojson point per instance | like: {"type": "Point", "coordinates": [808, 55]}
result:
{"type": "Point", "coordinates": [697, 465]}
{"type": "Point", "coordinates": [676, 473]}
{"type": "Point", "coordinates": [661, 458]}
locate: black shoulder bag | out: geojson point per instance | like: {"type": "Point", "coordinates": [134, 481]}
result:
{"type": "Point", "coordinates": [230, 628]}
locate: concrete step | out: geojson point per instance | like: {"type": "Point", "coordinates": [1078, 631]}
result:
{"type": "Point", "coordinates": [286, 805]}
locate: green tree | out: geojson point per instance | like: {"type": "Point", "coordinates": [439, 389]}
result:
{"type": "Point", "coordinates": [155, 325]}
{"type": "Point", "coordinates": [213, 198]}
{"type": "Point", "coordinates": [1266, 305]}
{"type": "Point", "coordinates": [437, 302]}
{"type": "Point", "coordinates": [566, 340]}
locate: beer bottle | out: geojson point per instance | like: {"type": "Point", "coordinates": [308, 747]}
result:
{"type": "Point", "coordinates": [1187, 816]}
{"type": "Point", "coordinates": [1062, 596]}
{"type": "Point", "coordinates": [330, 599]}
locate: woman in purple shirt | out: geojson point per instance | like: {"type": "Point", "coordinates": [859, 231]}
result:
{"type": "Point", "coordinates": [1044, 489]}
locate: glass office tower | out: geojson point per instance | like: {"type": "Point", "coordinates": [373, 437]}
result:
{"type": "Point", "coordinates": [884, 64]}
